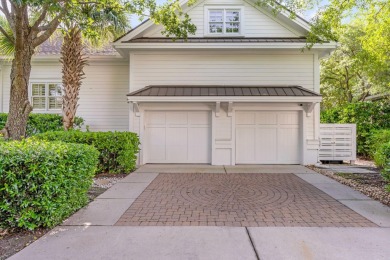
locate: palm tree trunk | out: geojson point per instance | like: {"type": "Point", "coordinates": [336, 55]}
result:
{"type": "Point", "coordinates": [73, 62]}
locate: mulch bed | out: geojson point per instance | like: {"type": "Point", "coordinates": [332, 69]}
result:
{"type": "Point", "coordinates": [12, 241]}
{"type": "Point", "coordinates": [370, 184]}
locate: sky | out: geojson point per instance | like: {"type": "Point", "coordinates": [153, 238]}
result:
{"type": "Point", "coordinates": [307, 15]}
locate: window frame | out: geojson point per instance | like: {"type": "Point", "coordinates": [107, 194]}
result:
{"type": "Point", "coordinates": [208, 8]}
{"type": "Point", "coordinates": [47, 95]}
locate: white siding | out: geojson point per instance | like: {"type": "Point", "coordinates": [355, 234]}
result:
{"type": "Point", "coordinates": [203, 68]}
{"type": "Point", "coordinates": [102, 103]}
{"type": "Point", "coordinates": [256, 22]}
{"type": "Point", "coordinates": [224, 68]}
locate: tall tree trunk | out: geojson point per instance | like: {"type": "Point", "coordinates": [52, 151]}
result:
{"type": "Point", "coordinates": [19, 106]}
{"type": "Point", "coordinates": [73, 62]}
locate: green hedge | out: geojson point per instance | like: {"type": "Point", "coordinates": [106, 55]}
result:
{"type": "Point", "coordinates": [118, 150]}
{"type": "Point", "coordinates": [377, 139]}
{"type": "Point", "coordinates": [380, 151]}
{"type": "Point", "coordinates": [41, 123]}
{"type": "Point", "coordinates": [42, 183]}
{"type": "Point", "coordinates": [368, 117]}
{"type": "Point", "coordinates": [382, 159]}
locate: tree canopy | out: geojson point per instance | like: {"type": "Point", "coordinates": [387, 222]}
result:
{"type": "Point", "coordinates": [29, 23]}
{"type": "Point", "coordinates": [360, 66]}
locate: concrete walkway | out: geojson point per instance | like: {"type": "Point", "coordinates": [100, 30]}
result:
{"type": "Point", "coordinates": [91, 234]}
{"type": "Point", "coordinates": [343, 168]}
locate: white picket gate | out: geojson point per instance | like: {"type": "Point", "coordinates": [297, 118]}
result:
{"type": "Point", "coordinates": [337, 142]}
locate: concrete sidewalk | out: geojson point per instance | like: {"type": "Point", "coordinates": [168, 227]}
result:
{"type": "Point", "coordinates": [91, 234]}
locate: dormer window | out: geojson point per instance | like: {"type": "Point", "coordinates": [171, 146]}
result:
{"type": "Point", "coordinates": [223, 21]}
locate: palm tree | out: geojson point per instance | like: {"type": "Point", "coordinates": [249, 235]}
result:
{"type": "Point", "coordinates": [107, 25]}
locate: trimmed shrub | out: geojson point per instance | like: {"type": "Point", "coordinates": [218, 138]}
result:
{"type": "Point", "coordinates": [42, 183]}
{"type": "Point", "coordinates": [118, 150]}
{"type": "Point", "coordinates": [41, 123]}
{"type": "Point", "coordinates": [376, 140]}
{"type": "Point", "coordinates": [380, 151]}
{"type": "Point", "coordinates": [368, 117]}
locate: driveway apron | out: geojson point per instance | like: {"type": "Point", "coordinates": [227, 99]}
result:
{"type": "Point", "coordinates": [222, 212]}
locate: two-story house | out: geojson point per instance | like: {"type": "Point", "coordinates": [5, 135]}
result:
{"type": "Point", "coordinates": [242, 90]}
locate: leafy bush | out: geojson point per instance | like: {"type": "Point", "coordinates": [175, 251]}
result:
{"type": "Point", "coordinates": [380, 151]}
{"type": "Point", "coordinates": [118, 150]}
{"type": "Point", "coordinates": [376, 140]}
{"type": "Point", "coordinates": [41, 123]}
{"type": "Point", "coordinates": [368, 116]}
{"type": "Point", "coordinates": [42, 183]}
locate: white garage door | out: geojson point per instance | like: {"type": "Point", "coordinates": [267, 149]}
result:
{"type": "Point", "coordinates": [178, 137]}
{"type": "Point", "coordinates": [267, 137]}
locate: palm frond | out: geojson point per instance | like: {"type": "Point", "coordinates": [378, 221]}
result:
{"type": "Point", "coordinates": [7, 47]}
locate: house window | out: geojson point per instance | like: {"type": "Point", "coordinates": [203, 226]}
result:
{"type": "Point", "coordinates": [224, 21]}
{"type": "Point", "coordinates": [46, 96]}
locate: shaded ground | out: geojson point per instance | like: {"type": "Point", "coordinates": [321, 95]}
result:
{"type": "Point", "coordinates": [12, 241]}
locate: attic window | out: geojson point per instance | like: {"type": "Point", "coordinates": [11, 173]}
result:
{"type": "Point", "coordinates": [224, 21]}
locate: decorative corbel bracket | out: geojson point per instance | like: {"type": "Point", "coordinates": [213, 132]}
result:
{"type": "Point", "coordinates": [217, 108]}
{"type": "Point", "coordinates": [309, 107]}
{"type": "Point", "coordinates": [230, 108]}
{"type": "Point", "coordinates": [136, 109]}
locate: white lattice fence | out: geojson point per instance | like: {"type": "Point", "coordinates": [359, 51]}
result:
{"type": "Point", "coordinates": [337, 142]}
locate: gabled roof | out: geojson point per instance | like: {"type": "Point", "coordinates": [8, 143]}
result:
{"type": "Point", "coordinates": [223, 91]}
{"type": "Point", "coordinates": [298, 22]}
{"type": "Point", "coordinates": [217, 39]}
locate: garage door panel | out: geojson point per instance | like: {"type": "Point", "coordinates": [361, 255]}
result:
{"type": "Point", "coordinates": [176, 144]}
{"type": "Point", "coordinates": [199, 119]}
{"type": "Point", "coordinates": [266, 118]}
{"type": "Point", "coordinates": [155, 119]}
{"type": "Point", "coordinates": [177, 118]}
{"type": "Point", "coordinates": [266, 144]}
{"type": "Point", "coordinates": [245, 148]}
{"type": "Point", "coordinates": [156, 144]}
{"type": "Point", "coordinates": [288, 143]}
{"type": "Point", "coordinates": [199, 151]}
{"type": "Point", "coordinates": [272, 138]}
{"type": "Point", "coordinates": [245, 118]}
{"type": "Point", "coordinates": [288, 118]}
{"type": "Point", "coordinates": [178, 137]}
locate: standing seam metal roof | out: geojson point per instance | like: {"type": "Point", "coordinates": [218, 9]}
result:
{"type": "Point", "coordinates": [184, 90]}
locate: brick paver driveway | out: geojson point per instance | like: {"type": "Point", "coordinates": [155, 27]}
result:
{"type": "Point", "coordinates": [251, 200]}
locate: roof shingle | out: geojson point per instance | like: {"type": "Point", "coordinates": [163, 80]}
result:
{"type": "Point", "coordinates": [53, 47]}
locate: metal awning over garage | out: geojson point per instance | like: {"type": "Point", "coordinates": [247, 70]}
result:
{"type": "Point", "coordinates": [231, 91]}
{"type": "Point", "coordinates": [229, 94]}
